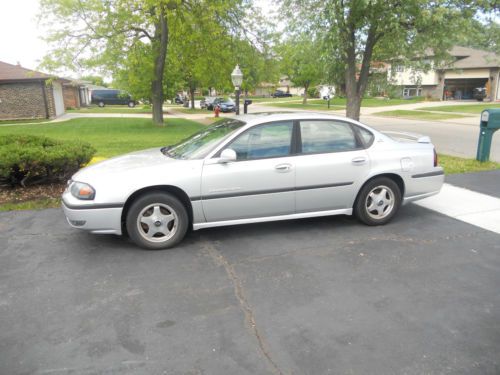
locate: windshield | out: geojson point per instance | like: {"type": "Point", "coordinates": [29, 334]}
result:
{"type": "Point", "coordinates": [200, 144]}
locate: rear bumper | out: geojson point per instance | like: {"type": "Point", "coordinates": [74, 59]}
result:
{"type": "Point", "coordinates": [95, 220]}
{"type": "Point", "coordinates": [424, 185]}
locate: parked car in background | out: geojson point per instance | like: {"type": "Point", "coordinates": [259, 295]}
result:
{"type": "Point", "coordinates": [112, 97]}
{"type": "Point", "coordinates": [281, 94]}
{"type": "Point", "coordinates": [179, 99]}
{"type": "Point", "coordinates": [255, 168]}
{"type": "Point", "coordinates": [212, 101]}
{"type": "Point", "coordinates": [227, 105]}
{"type": "Point", "coordinates": [479, 93]}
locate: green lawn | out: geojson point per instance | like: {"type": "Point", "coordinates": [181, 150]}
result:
{"type": "Point", "coordinates": [453, 164]}
{"type": "Point", "coordinates": [112, 136]}
{"type": "Point", "coordinates": [269, 99]}
{"type": "Point", "coordinates": [110, 109]}
{"type": "Point", "coordinates": [36, 204]}
{"type": "Point", "coordinates": [471, 108]}
{"type": "Point", "coordinates": [311, 105]}
{"type": "Point", "coordinates": [372, 102]}
{"type": "Point", "coordinates": [340, 103]}
{"type": "Point", "coordinates": [189, 110]}
{"type": "Point", "coordinates": [29, 121]}
{"type": "Point", "coordinates": [419, 115]}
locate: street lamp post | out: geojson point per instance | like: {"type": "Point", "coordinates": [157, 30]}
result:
{"type": "Point", "coordinates": [237, 79]}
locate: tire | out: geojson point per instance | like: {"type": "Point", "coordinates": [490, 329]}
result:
{"type": "Point", "coordinates": [100, 104]}
{"type": "Point", "coordinates": [161, 212]}
{"type": "Point", "coordinates": [373, 206]}
{"type": "Point", "coordinates": [131, 104]}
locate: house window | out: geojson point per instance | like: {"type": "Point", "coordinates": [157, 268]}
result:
{"type": "Point", "coordinates": [412, 91]}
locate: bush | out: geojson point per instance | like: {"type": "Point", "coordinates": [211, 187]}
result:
{"type": "Point", "coordinates": [312, 92]}
{"type": "Point", "coordinates": [29, 160]}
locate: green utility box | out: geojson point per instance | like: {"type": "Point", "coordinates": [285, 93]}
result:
{"type": "Point", "coordinates": [490, 123]}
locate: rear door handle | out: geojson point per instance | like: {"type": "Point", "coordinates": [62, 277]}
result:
{"type": "Point", "coordinates": [283, 167]}
{"type": "Point", "coordinates": [359, 160]}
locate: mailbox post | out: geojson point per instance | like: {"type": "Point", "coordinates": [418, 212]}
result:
{"type": "Point", "coordinates": [490, 123]}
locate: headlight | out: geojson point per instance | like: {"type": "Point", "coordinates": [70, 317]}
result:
{"type": "Point", "coordinates": [82, 190]}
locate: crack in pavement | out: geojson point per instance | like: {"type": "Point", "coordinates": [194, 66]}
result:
{"type": "Point", "coordinates": [239, 292]}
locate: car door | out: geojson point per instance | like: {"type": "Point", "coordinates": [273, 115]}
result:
{"type": "Point", "coordinates": [259, 183]}
{"type": "Point", "coordinates": [331, 165]}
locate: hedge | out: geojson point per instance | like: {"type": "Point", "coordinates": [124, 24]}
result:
{"type": "Point", "coordinates": [30, 160]}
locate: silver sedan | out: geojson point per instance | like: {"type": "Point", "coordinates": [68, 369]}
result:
{"type": "Point", "coordinates": [251, 169]}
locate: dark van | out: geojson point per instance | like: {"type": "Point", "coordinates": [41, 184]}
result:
{"type": "Point", "coordinates": [103, 97]}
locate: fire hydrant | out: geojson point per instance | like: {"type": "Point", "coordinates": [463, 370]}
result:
{"type": "Point", "coordinates": [217, 111]}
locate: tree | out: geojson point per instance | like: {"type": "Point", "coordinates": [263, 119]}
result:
{"type": "Point", "coordinates": [483, 35]}
{"type": "Point", "coordinates": [357, 31]}
{"type": "Point", "coordinates": [121, 35]}
{"type": "Point", "coordinates": [301, 62]}
{"type": "Point", "coordinates": [95, 80]}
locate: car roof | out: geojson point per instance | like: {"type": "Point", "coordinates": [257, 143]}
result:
{"type": "Point", "coordinates": [253, 118]}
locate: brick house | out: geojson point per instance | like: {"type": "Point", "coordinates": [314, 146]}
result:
{"type": "Point", "coordinates": [27, 94]}
{"type": "Point", "coordinates": [76, 93]}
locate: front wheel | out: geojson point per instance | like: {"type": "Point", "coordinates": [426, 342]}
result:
{"type": "Point", "coordinates": [157, 221]}
{"type": "Point", "coordinates": [131, 104]}
{"type": "Point", "coordinates": [101, 104]}
{"type": "Point", "coordinates": [378, 201]}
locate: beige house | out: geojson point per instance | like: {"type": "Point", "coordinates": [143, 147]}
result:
{"type": "Point", "coordinates": [470, 68]}
{"type": "Point", "coordinates": [284, 84]}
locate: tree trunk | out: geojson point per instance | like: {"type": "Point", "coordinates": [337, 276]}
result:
{"type": "Point", "coordinates": [160, 46]}
{"type": "Point", "coordinates": [304, 101]}
{"type": "Point", "coordinates": [353, 107]}
{"type": "Point", "coordinates": [191, 93]}
{"type": "Point", "coordinates": [356, 87]}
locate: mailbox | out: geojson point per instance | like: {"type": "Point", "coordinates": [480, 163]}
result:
{"type": "Point", "coordinates": [246, 103]}
{"type": "Point", "coordinates": [490, 123]}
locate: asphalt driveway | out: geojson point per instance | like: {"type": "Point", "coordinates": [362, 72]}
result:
{"type": "Point", "coordinates": [315, 296]}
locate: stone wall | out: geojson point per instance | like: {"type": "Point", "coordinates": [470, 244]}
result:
{"type": "Point", "coordinates": [71, 97]}
{"type": "Point", "coordinates": [24, 100]}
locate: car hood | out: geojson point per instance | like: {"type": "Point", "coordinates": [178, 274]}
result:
{"type": "Point", "coordinates": [124, 165]}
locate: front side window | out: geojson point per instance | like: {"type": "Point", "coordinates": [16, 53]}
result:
{"type": "Point", "coordinates": [264, 141]}
{"type": "Point", "coordinates": [327, 136]}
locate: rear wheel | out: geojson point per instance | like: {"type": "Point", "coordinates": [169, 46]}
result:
{"type": "Point", "coordinates": [378, 201]}
{"type": "Point", "coordinates": [131, 104]}
{"type": "Point", "coordinates": [157, 221]}
{"type": "Point", "coordinates": [100, 104]}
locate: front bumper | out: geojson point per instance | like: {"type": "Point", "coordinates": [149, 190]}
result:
{"type": "Point", "coordinates": [96, 220]}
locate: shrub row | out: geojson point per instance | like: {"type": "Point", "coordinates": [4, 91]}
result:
{"type": "Point", "coordinates": [29, 160]}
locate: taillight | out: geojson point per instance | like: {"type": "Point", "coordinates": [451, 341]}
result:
{"type": "Point", "coordinates": [435, 158]}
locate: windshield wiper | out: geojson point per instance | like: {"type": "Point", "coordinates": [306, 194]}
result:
{"type": "Point", "coordinates": [165, 149]}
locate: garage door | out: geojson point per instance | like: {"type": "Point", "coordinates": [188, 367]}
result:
{"type": "Point", "coordinates": [460, 89]}
{"type": "Point", "coordinates": [58, 98]}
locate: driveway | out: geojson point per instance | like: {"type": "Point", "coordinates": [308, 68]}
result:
{"type": "Point", "coordinates": [315, 296]}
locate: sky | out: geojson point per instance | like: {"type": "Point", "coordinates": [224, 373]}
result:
{"type": "Point", "coordinates": [19, 33]}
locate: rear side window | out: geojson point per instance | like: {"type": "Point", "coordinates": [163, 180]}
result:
{"type": "Point", "coordinates": [264, 141]}
{"type": "Point", "coordinates": [327, 136]}
{"type": "Point", "coordinates": [366, 136]}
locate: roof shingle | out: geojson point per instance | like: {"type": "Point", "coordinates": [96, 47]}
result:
{"type": "Point", "coordinates": [9, 72]}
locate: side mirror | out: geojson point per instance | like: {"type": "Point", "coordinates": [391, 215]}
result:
{"type": "Point", "coordinates": [227, 156]}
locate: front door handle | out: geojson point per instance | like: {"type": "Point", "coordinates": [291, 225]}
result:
{"type": "Point", "coordinates": [359, 160]}
{"type": "Point", "coordinates": [283, 167]}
